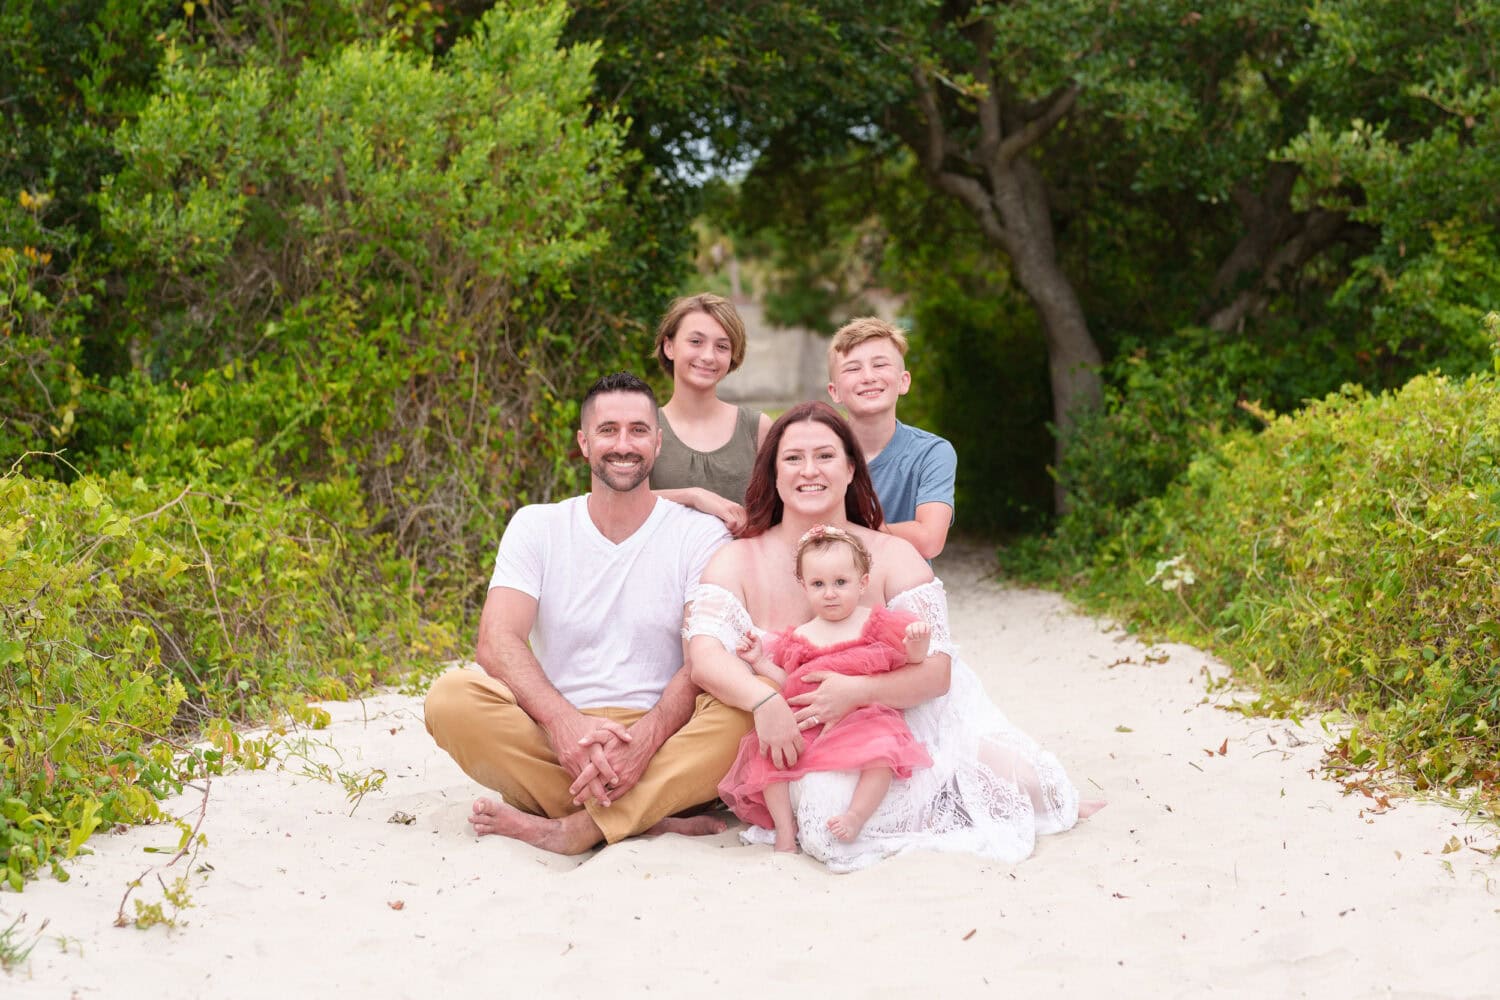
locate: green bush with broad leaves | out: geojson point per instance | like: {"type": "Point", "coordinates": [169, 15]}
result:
{"type": "Point", "coordinates": [1347, 556]}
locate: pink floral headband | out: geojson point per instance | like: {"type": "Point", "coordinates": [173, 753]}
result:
{"type": "Point", "coordinates": [830, 533]}
{"type": "Point", "coordinates": [825, 531]}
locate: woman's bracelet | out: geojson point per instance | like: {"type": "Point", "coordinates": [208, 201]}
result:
{"type": "Point", "coordinates": [763, 701]}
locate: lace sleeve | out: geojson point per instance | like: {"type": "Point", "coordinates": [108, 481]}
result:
{"type": "Point", "coordinates": [929, 602]}
{"type": "Point", "coordinates": [715, 612]}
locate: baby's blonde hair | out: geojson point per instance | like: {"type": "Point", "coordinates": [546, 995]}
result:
{"type": "Point", "coordinates": [823, 537]}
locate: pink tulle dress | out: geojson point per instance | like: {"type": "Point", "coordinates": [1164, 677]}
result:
{"type": "Point", "coordinates": [872, 736]}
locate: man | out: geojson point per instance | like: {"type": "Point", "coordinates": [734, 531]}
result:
{"type": "Point", "coordinates": [593, 731]}
{"type": "Point", "coordinates": [912, 469]}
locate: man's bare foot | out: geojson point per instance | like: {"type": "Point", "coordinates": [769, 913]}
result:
{"type": "Point", "coordinates": [689, 826]}
{"type": "Point", "coordinates": [786, 842]}
{"type": "Point", "coordinates": [573, 834]}
{"type": "Point", "coordinates": [1088, 807]}
{"type": "Point", "coordinates": [847, 826]}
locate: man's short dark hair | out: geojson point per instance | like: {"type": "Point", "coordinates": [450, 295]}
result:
{"type": "Point", "coordinates": [618, 382]}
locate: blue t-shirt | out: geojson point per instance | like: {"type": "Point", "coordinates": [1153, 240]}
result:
{"type": "Point", "coordinates": [915, 467]}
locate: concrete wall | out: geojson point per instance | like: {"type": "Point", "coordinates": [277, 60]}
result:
{"type": "Point", "coordinates": [782, 365]}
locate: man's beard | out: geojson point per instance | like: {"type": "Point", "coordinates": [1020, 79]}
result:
{"type": "Point", "coordinates": [620, 480]}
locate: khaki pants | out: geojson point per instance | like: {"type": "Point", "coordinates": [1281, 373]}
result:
{"type": "Point", "coordinates": [475, 718]}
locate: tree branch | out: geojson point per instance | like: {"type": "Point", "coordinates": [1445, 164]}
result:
{"type": "Point", "coordinates": [932, 148]}
{"type": "Point", "coordinates": [991, 124]}
{"type": "Point", "coordinates": [1057, 105]}
{"type": "Point", "coordinates": [1033, 110]}
{"type": "Point", "coordinates": [1276, 243]}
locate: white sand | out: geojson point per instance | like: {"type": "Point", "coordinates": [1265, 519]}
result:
{"type": "Point", "coordinates": [1246, 874]}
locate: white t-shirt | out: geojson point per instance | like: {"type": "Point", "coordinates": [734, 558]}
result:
{"type": "Point", "coordinates": [609, 617]}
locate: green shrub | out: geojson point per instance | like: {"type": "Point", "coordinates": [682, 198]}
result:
{"type": "Point", "coordinates": [41, 320]}
{"type": "Point", "coordinates": [1349, 556]}
{"type": "Point", "coordinates": [1172, 401]}
{"type": "Point", "coordinates": [360, 293]}
{"type": "Point", "coordinates": [376, 265]}
{"type": "Point", "coordinates": [1159, 411]}
{"type": "Point", "coordinates": [132, 614]}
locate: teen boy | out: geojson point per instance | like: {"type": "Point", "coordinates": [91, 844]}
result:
{"type": "Point", "coordinates": [913, 469]}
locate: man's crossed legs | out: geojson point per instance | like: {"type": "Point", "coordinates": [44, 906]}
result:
{"type": "Point", "coordinates": [475, 718]}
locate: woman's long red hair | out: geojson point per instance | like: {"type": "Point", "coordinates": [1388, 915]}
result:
{"type": "Point", "coordinates": [763, 506]}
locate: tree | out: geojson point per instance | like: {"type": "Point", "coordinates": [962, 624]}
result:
{"type": "Point", "coordinates": [982, 94]}
{"type": "Point", "coordinates": [1189, 141]}
{"type": "Point", "coordinates": [373, 265]}
{"type": "Point", "coordinates": [1411, 153]}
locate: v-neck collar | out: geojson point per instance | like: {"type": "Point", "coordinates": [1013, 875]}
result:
{"type": "Point", "coordinates": [636, 537]}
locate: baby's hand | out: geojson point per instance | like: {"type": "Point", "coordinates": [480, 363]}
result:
{"type": "Point", "coordinates": [749, 648]}
{"type": "Point", "coordinates": [918, 635]}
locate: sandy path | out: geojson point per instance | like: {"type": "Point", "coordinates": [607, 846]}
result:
{"type": "Point", "coordinates": [1240, 875]}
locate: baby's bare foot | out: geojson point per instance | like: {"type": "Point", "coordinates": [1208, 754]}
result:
{"type": "Point", "coordinates": [847, 826]}
{"type": "Point", "coordinates": [1088, 807]}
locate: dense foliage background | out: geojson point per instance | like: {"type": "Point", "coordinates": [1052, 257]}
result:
{"type": "Point", "coordinates": [296, 300]}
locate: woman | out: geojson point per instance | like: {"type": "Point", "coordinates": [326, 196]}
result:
{"type": "Point", "coordinates": [990, 790]}
{"type": "Point", "coordinates": [708, 446]}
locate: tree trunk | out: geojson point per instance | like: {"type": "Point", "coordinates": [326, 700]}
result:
{"type": "Point", "coordinates": [1073, 359]}
{"type": "Point", "coordinates": [992, 177]}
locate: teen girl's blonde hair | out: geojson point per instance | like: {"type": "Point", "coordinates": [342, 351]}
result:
{"type": "Point", "coordinates": [723, 312]}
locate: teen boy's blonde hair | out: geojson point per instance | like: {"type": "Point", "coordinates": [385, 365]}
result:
{"type": "Point", "coordinates": [856, 332]}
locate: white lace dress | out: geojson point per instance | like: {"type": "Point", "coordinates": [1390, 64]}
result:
{"type": "Point", "coordinates": [991, 788]}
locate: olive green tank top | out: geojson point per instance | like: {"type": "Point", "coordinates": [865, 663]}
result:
{"type": "Point", "coordinates": [725, 470]}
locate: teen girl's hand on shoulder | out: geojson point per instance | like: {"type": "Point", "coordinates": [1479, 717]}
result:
{"type": "Point", "coordinates": [706, 502]}
{"type": "Point", "coordinates": [732, 514]}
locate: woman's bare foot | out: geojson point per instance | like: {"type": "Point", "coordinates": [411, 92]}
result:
{"type": "Point", "coordinates": [1088, 807]}
{"type": "Point", "coordinates": [786, 842]}
{"type": "Point", "coordinates": [573, 834]}
{"type": "Point", "coordinates": [689, 826]}
{"type": "Point", "coordinates": [847, 826]}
